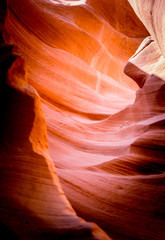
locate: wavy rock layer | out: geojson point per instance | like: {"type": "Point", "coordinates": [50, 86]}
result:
{"type": "Point", "coordinates": [33, 205]}
{"type": "Point", "coordinates": [107, 145]}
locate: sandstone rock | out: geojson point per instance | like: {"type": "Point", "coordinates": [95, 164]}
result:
{"type": "Point", "coordinates": [105, 136]}
{"type": "Point", "coordinates": [32, 203]}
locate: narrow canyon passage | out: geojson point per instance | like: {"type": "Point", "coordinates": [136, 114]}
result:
{"type": "Point", "coordinates": [83, 132]}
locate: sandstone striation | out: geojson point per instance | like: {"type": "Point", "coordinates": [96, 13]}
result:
{"type": "Point", "coordinates": [33, 205]}
{"type": "Point", "coordinates": [83, 108]}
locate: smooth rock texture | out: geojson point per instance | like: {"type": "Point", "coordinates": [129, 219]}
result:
{"type": "Point", "coordinates": [151, 14]}
{"type": "Point", "coordinates": [33, 205]}
{"type": "Point", "coordinates": [83, 107]}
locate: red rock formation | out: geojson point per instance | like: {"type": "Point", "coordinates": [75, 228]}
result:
{"type": "Point", "coordinates": [108, 148]}
{"type": "Point", "coordinates": [33, 205]}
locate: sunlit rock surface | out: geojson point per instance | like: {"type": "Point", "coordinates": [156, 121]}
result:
{"type": "Point", "coordinates": [32, 205]}
{"type": "Point", "coordinates": [104, 120]}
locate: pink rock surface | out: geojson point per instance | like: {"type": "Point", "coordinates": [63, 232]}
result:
{"type": "Point", "coordinates": [84, 63]}
{"type": "Point", "coordinates": [33, 205]}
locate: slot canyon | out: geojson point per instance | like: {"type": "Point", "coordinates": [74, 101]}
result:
{"type": "Point", "coordinates": [82, 138]}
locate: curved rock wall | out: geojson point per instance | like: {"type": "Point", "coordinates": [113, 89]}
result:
{"type": "Point", "coordinates": [105, 136]}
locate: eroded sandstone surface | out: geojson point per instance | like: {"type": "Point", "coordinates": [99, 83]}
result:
{"type": "Point", "coordinates": [82, 146]}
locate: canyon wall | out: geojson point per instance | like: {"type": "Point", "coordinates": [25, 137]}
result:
{"type": "Point", "coordinates": [83, 117]}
